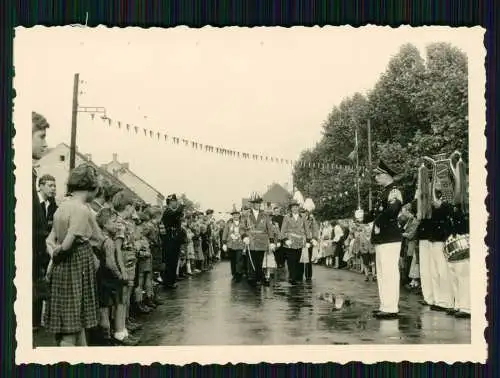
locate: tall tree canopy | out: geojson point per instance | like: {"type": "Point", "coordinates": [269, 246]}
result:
{"type": "Point", "coordinates": [418, 107]}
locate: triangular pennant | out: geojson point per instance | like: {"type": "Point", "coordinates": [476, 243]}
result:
{"type": "Point", "coordinates": [128, 126]}
{"type": "Point", "coordinates": [92, 115]}
{"type": "Point", "coordinates": [158, 135]}
{"type": "Point", "coordinates": [145, 131]}
{"type": "Point", "coordinates": [165, 136]}
{"type": "Point", "coordinates": [151, 134]}
{"type": "Point", "coordinates": [109, 121]}
{"type": "Point", "coordinates": [136, 129]}
{"type": "Point", "coordinates": [119, 125]}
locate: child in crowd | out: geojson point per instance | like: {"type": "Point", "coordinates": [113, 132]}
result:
{"type": "Point", "coordinates": [144, 277]}
{"type": "Point", "coordinates": [110, 278]}
{"type": "Point", "coordinates": [152, 233]}
{"type": "Point", "coordinates": [367, 252]}
{"type": "Point", "coordinates": [326, 243]}
{"type": "Point", "coordinates": [410, 234]}
{"type": "Point", "coordinates": [125, 245]}
{"type": "Point", "coordinates": [197, 243]}
{"type": "Point", "coordinates": [190, 254]}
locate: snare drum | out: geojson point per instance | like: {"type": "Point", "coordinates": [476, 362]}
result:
{"type": "Point", "coordinates": [457, 248]}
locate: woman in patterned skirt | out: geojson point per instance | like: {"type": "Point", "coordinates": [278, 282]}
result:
{"type": "Point", "coordinates": [73, 305]}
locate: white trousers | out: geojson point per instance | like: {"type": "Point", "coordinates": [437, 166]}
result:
{"type": "Point", "coordinates": [424, 250]}
{"type": "Point", "coordinates": [460, 283]}
{"type": "Point", "coordinates": [387, 263]}
{"type": "Point", "coordinates": [436, 286]}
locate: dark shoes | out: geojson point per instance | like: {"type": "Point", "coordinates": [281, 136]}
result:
{"type": "Point", "coordinates": [127, 341]}
{"type": "Point", "coordinates": [385, 315]}
{"type": "Point", "coordinates": [451, 312]}
{"type": "Point", "coordinates": [424, 303]}
{"type": "Point", "coordinates": [462, 315]}
{"type": "Point", "coordinates": [439, 308]}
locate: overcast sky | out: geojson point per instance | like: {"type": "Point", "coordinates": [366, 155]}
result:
{"type": "Point", "coordinates": [259, 90]}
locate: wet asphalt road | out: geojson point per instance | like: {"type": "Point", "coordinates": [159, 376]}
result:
{"type": "Point", "coordinates": [210, 309]}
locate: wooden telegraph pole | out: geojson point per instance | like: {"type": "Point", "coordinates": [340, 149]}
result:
{"type": "Point", "coordinates": [74, 118]}
{"type": "Point", "coordinates": [370, 205]}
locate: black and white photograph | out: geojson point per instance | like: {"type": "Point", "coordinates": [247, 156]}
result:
{"type": "Point", "coordinates": [250, 194]}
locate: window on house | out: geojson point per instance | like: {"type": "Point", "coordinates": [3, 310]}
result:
{"type": "Point", "coordinates": [62, 157]}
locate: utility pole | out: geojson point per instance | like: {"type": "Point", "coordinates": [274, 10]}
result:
{"type": "Point", "coordinates": [369, 166]}
{"type": "Point", "coordinates": [74, 118]}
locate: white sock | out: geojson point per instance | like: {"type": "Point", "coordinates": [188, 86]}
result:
{"type": "Point", "coordinates": [121, 335]}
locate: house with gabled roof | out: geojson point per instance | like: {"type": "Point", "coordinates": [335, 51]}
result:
{"type": "Point", "coordinates": [55, 162]}
{"type": "Point", "coordinates": [276, 195]}
{"type": "Point", "coordinates": [122, 171]}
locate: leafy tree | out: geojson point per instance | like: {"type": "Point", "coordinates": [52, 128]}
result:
{"type": "Point", "coordinates": [416, 108]}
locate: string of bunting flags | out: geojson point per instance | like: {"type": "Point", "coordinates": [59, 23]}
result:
{"type": "Point", "coordinates": [213, 149]}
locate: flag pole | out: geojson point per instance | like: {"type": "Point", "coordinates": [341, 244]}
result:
{"type": "Point", "coordinates": [357, 168]}
{"type": "Point", "coordinates": [369, 165]}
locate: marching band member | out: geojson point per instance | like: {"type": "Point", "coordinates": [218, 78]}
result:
{"type": "Point", "coordinates": [294, 236]}
{"type": "Point", "coordinates": [258, 237]}
{"type": "Point", "coordinates": [460, 267]}
{"type": "Point", "coordinates": [386, 238]}
{"type": "Point", "coordinates": [313, 228]}
{"type": "Point", "coordinates": [233, 244]}
{"type": "Point", "coordinates": [434, 273]}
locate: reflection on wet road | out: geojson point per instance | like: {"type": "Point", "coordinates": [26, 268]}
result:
{"type": "Point", "coordinates": [212, 310]}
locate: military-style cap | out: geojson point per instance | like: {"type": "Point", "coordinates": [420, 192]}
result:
{"type": "Point", "coordinates": [171, 197]}
{"type": "Point", "coordinates": [384, 169]}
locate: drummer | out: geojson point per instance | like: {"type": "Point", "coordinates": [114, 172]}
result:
{"type": "Point", "coordinates": [460, 269]}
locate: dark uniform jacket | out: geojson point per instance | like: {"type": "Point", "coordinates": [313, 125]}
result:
{"type": "Point", "coordinates": [385, 217]}
{"type": "Point", "coordinates": [41, 257]}
{"type": "Point", "coordinates": [439, 227]}
{"type": "Point", "coordinates": [172, 220]}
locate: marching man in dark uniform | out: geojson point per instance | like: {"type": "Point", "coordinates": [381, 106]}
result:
{"type": "Point", "coordinates": [258, 238]}
{"type": "Point", "coordinates": [232, 243]}
{"type": "Point", "coordinates": [386, 238]}
{"type": "Point", "coordinates": [294, 237]}
{"type": "Point", "coordinates": [172, 240]}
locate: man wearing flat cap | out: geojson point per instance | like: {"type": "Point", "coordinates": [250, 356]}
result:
{"type": "Point", "coordinates": [386, 238]}
{"type": "Point", "coordinates": [172, 240]}
{"type": "Point", "coordinates": [258, 237]}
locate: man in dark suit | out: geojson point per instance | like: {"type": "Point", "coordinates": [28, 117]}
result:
{"type": "Point", "coordinates": [46, 197]}
{"type": "Point", "coordinates": [40, 257]}
{"type": "Point", "coordinates": [172, 240]}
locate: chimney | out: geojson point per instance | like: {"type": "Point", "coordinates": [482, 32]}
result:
{"type": "Point", "coordinates": [88, 157]}
{"type": "Point", "coordinates": [115, 157]}
{"type": "Point", "coordinates": [125, 165]}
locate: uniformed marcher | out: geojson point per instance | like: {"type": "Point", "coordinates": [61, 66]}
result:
{"type": "Point", "coordinates": [294, 237]}
{"type": "Point", "coordinates": [232, 243]}
{"type": "Point", "coordinates": [434, 274]}
{"type": "Point", "coordinates": [386, 238]}
{"type": "Point", "coordinates": [172, 240]}
{"type": "Point", "coordinates": [258, 238]}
